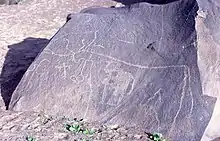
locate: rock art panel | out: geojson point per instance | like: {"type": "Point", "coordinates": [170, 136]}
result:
{"type": "Point", "coordinates": [123, 66]}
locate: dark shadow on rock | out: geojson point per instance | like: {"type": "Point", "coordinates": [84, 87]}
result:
{"type": "Point", "coordinates": [18, 59]}
{"type": "Point", "coordinates": [129, 2]}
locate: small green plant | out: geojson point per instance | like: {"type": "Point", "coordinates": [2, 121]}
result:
{"type": "Point", "coordinates": [77, 128]}
{"type": "Point", "coordinates": [155, 137]}
{"type": "Point", "coordinates": [88, 132]}
{"type": "Point", "coordinates": [30, 138]}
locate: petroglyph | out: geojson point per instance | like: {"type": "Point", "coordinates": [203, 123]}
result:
{"type": "Point", "coordinates": [156, 99]}
{"type": "Point", "coordinates": [162, 26]}
{"type": "Point", "coordinates": [124, 41]}
{"type": "Point", "coordinates": [98, 45]}
{"type": "Point", "coordinates": [156, 117]}
{"type": "Point", "coordinates": [91, 92]}
{"type": "Point", "coordinates": [126, 36]}
{"type": "Point", "coordinates": [181, 101]}
{"type": "Point", "coordinates": [85, 47]}
{"type": "Point", "coordinates": [63, 68]}
{"type": "Point", "coordinates": [155, 94]}
{"type": "Point", "coordinates": [115, 84]}
{"type": "Point", "coordinates": [78, 75]}
{"type": "Point", "coordinates": [30, 69]}
{"type": "Point", "coordinates": [190, 90]}
{"type": "Point", "coordinates": [39, 72]}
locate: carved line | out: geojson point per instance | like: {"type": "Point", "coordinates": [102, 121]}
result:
{"type": "Point", "coordinates": [186, 69]}
{"type": "Point", "coordinates": [90, 87]}
{"type": "Point", "coordinates": [86, 47]}
{"type": "Point", "coordinates": [70, 33]}
{"type": "Point", "coordinates": [135, 65]}
{"type": "Point", "coordinates": [154, 95]}
{"type": "Point", "coordinates": [124, 41]}
{"type": "Point", "coordinates": [64, 67]}
{"type": "Point", "coordinates": [190, 90]}
{"type": "Point", "coordinates": [181, 100]}
{"type": "Point", "coordinates": [156, 115]}
{"type": "Point", "coordinates": [162, 26]}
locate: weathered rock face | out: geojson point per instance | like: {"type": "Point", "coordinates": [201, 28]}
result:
{"type": "Point", "coordinates": [133, 65]}
{"type": "Point", "coordinates": [208, 34]}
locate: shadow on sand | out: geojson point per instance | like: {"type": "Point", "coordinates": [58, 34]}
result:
{"type": "Point", "coordinates": [18, 59]}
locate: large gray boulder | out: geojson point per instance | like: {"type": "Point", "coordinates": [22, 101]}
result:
{"type": "Point", "coordinates": [135, 66]}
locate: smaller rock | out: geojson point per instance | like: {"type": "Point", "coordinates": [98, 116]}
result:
{"type": "Point", "coordinates": [111, 137]}
{"type": "Point", "coordinates": [114, 127]}
{"type": "Point", "coordinates": [119, 5]}
{"type": "Point", "coordinates": [8, 127]}
{"type": "Point", "coordinates": [130, 136]}
{"type": "Point", "coordinates": [25, 127]}
{"type": "Point", "coordinates": [63, 136]}
{"type": "Point", "coordinates": [202, 13]}
{"type": "Point", "coordinates": [123, 137]}
{"type": "Point", "coordinates": [138, 136]}
{"type": "Point", "coordinates": [35, 126]}
{"type": "Point", "coordinates": [98, 130]}
{"type": "Point", "coordinates": [38, 129]}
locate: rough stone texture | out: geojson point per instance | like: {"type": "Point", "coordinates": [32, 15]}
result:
{"type": "Point", "coordinates": [208, 34]}
{"type": "Point", "coordinates": [28, 24]}
{"type": "Point", "coordinates": [135, 66]}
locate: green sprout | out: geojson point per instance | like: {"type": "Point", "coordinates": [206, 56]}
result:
{"type": "Point", "coordinates": [77, 128]}
{"type": "Point", "coordinates": [155, 137]}
{"type": "Point", "coordinates": [30, 138]}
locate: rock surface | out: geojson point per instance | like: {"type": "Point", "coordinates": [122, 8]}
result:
{"type": "Point", "coordinates": [25, 27]}
{"type": "Point", "coordinates": [208, 35]}
{"type": "Point", "coordinates": [126, 66]}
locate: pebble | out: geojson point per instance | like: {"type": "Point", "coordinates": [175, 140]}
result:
{"type": "Point", "coordinates": [25, 126]}
{"type": "Point", "coordinates": [138, 136]}
{"type": "Point", "coordinates": [62, 136]}
{"type": "Point", "coordinates": [114, 127]}
{"type": "Point", "coordinates": [123, 137]}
